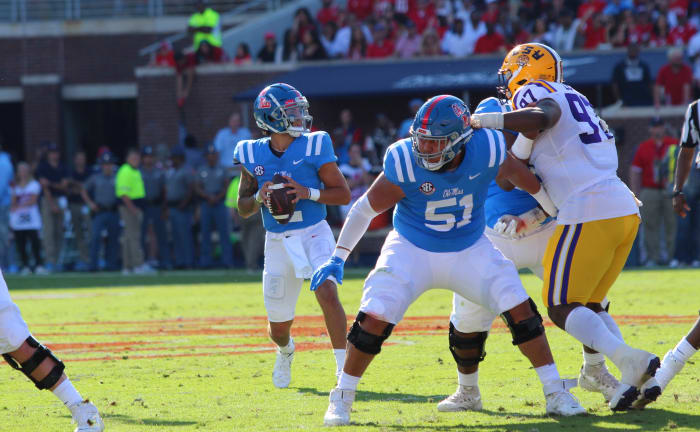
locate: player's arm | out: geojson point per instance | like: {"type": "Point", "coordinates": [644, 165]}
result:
{"type": "Point", "coordinates": [683, 167]}
{"type": "Point", "coordinates": [335, 192]}
{"type": "Point", "coordinates": [248, 203]}
{"type": "Point", "coordinates": [515, 173]}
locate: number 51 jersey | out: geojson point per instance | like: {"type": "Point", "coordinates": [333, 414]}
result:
{"type": "Point", "coordinates": [444, 211]}
{"type": "Point", "coordinates": [576, 159]}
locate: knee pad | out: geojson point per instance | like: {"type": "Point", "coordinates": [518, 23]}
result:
{"type": "Point", "coordinates": [459, 342]}
{"type": "Point", "coordinates": [525, 330]}
{"type": "Point", "coordinates": [364, 341]}
{"type": "Point", "coordinates": [34, 361]}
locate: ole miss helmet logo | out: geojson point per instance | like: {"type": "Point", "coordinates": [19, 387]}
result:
{"type": "Point", "coordinates": [461, 112]}
{"type": "Point", "coordinates": [264, 103]}
{"type": "Point", "coordinates": [427, 188]}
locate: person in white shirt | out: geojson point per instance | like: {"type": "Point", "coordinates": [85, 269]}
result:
{"type": "Point", "coordinates": [565, 32]}
{"type": "Point", "coordinates": [227, 138]}
{"type": "Point", "coordinates": [456, 41]}
{"type": "Point", "coordinates": [25, 219]}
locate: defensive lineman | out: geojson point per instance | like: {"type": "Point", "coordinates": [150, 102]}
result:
{"type": "Point", "coordinates": [37, 362]}
{"type": "Point", "coordinates": [574, 154]}
{"type": "Point", "coordinates": [438, 185]}
{"type": "Point", "coordinates": [293, 251]}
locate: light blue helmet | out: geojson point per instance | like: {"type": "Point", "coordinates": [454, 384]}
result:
{"type": "Point", "coordinates": [280, 108]}
{"type": "Point", "coordinates": [444, 120]}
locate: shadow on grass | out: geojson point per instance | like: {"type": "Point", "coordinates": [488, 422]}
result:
{"type": "Point", "coordinates": [124, 419]}
{"type": "Point", "coordinates": [380, 396]}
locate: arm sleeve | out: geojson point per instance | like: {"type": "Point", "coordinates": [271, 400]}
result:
{"type": "Point", "coordinates": [322, 149]}
{"type": "Point", "coordinates": [356, 224]}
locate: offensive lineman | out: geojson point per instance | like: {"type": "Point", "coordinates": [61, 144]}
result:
{"type": "Point", "coordinates": [27, 355]}
{"type": "Point", "coordinates": [438, 184]}
{"type": "Point", "coordinates": [293, 251]}
{"type": "Point", "coordinates": [574, 154]}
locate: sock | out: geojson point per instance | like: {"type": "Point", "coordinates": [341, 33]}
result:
{"type": "Point", "coordinates": [589, 329]}
{"type": "Point", "coordinates": [593, 359]}
{"type": "Point", "coordinates": [684, 350]}
{"type": "Point", "coordinates": [348, 382]}
{"type": "Point", "coordinates": [67, 393]}
{"type": "Point", "coordinates": [339, 360]}
{"type": "Point", "coordinates": [468, 380]}
{"type": "Point", "coordinates": [611, 325]}
{"type": "Point", "coordinates": [550, 379]}
{"type": "Point", "coordinates": [289, 348]}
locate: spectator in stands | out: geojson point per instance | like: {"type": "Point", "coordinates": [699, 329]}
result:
{"type": "Point", "coordinates": [491, 42]}
{"type": "Point", "coordinates": [408, 43]}
{"type": "Point", "coordinates": [303, 23]}
{"type": "Point", "coordinates": [179, 194]}
{"type": "Point", "coordinates": [382, 137]}
{"type": "Point", "coordinates": [242, 55]}
{"type": "Point", "coordinates": [492, 12]}
{"type": "Point", "coordinates": [335, 47]}
{"type": "Point", "coordinates": [227, 138]}
{"type": "Point", "coordinates": [518, 34]}
{"type": "Point", "coordinates": [252, 232]}
{"type": "Point", "coordinates": [78, 213]}
{"type": "Point", "coordinates": [430, 45]}
{"type": "Point", "coordinates": [345, 135]}
{"type": "Point", "coordinates": [423, 15]}
{"type": "Point", "coordinates": [207, 53]}
{"type": "Point", "coordinates": [566, 34]}
{"type": "Point", "coordinates": [184, 76]}
{"type": "Point", "coordinates": [681, 33]}
{"type": "Point", "coordinates": [647, 182]}
{"type": "Point", "coordinates": [100, 196]}
{"type": "Point", "coordinates": [268, 52]}
{"type": "Point", "coordinates": [587, 8]}
{"type": "Point", "coordinates": [660, 36]}
{"type": "Point", "coordinates": [358, 44]}
{"type": "Point", "coordinates": [413, 106]}
{"type": "Point", "coordinates": [6, 176]}
{"type": "Point", "coordinates": [53, 177]}
{"type": "Point", "coordinates": [154, 208]}
{"type": "Point", "coordinates": [204, 25]}
{"type": "Point", "coordinates": [673, 83]}
{"type": "Point", "coordinates": [25, 219]}
{"type": "Point", "coordinates": [456, 40]}
{"type": "Point", "coordinates": [327, 13]}
{"type": "Point", "coordinates": [382, 46]}
{"type": "Point", "coordinates": [165, 56]}
{"type": "Point", "coordinates": [596, 32]}
{"type": "Point", "coordinates": [474, 28]}
{"type": "Point", "coordinates": [616, 7]}
{"type": "Point", "coordinates": [130, 193]}
{"type": "Point", "coordinates": [540, 33]}
{"type": "Point", "coordinates": [344, 32]}
{"type": "Point", "coordinates": [356, 172]}
{"type": "Point", "coordinates": [290, 48]}
{"type": "Point", "coordinates": [312, 47]}
{"type": "Point", "coordinates": [211, 186]}
{"type": "Point", "coordinates": [360, 8]}
{"type": "Point", "coordinates": [643, 29]}
{"type": "Point", "coordinates": [631, 80]}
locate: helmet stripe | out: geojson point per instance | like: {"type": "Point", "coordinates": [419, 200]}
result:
{"type": "Point", "coordinates": [557, 61]}
{"type": "Point", "coordinates": [426, 116]}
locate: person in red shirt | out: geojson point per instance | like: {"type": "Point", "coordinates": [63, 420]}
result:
{"type": "Point", "coordinates": [641, 32]}
{"type": "Point", "coordinates": [360, 8]}
{"type": "Point", "coordinates": [587, 8]}
{"type": "Point", "coordinates": [660, 36]}
{"type": "Point", "coordinates": [596, 32]}
{"type": "Point", "coordinates": [647, 180]}
{"type": "Point", "coordinates": [382, 46]}
{"type": "Point", "coordinates": [165, 56]}
{"type": "Point", "coordinates": [681, 34]}
{"type": "Point", "coordinates": [423, 15]}
{"type": "Point", "coordinates": [674, 81]}
{"type": "Point", "coordinates": [327, 13]}
{"type": "Point", "coordinates": [208, 53]}
{"type": "Point", "coordinates": [491, 42]}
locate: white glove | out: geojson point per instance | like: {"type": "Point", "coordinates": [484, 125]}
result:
{"type": "Point", "coordinates": [507, 226]}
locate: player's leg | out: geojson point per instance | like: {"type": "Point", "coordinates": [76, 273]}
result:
{"type": "Point", "coordinates": [400, 276]}
{"type": "Point", "coordinates": [469, 327]}
{"type": "Point", "coordinates": [675, 359]}
{"type": "Point", "coordinates": [281, 290]}
{"type": "Point", "coordinates": [484, 276]}
{"type": "Point", "coordinates": [319, 244]}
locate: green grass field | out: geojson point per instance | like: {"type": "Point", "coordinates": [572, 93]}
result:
{"type": "Point", "coordinates": [188, 351]}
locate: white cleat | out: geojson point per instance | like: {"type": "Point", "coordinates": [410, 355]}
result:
{"type": "Point", "coordinates": [670, 366]}
{"type": "Point", "coordinates": [648, 393]}
{"type": "Point", "coordinates": [466, 398]}
{"type": "Point", "coordinates": [598, 379]}
{"type": "Point", "coordinates": [637, 367]}
{"type": "Point", "coordinates": [338, 412]}
{"type": "Point", "coordinates": [282, 373]}
{"type": "Point", "coordinates": [87, 417]}
{"type": "Point", "coordinates": [563, 403]}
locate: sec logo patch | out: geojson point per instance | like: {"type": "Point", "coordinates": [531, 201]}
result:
{"type": "Point", "coordinates": [427, 188]}
{"type": "Point", "coordinates": [259, 170]}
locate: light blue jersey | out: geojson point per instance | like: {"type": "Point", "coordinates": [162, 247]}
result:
{"type": "Point", "coordinates": [301, 161]}
{"type": "Point", "coordinates": [500, 202]}
{"type": "Point", "coordinates": [444, 211]}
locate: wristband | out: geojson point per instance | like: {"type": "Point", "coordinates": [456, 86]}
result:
{"type": "Point", "coordinates": [341, 253]}
{"type": "Point", "coordinates": [489, 120]}
{"type": "Point", "coordinates": [314, 194]}
{"type": "Point", "coordinates": [545, 201]}
{"type": "Point", "coordinates": [522, 147]}
{"type": "Point", "coordinates": [258, 198]}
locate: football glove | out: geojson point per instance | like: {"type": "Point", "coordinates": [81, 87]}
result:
{"type": "Point", "coordinates": [332, 267]}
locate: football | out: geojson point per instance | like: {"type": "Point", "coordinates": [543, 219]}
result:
{"type": "Point", "coordinates": [280, 202]}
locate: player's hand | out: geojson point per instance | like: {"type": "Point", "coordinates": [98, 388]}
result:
{"type": "Point", "coordinates": [509, 226]}
{"type": "Point", "coordinates": [301, 192]}
{"type": "Point", "coordinates": [475, 121]}
{"type": "Point", "coordinates": [680, 206]}
{"type": "Point", "coordinates": [332, 267]}
{"type": "Point", "coordinates": [264, 193]}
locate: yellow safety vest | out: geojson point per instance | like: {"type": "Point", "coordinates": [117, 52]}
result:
{"type": "Point", "coordinates": [209, 18]}
{"type": "Point", "coordinates": [129, 182]}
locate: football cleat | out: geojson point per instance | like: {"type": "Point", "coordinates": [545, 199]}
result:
{"type": "Point", "coordinates": [87, 417]}
{"type": "Point", "coordinates": [637, 367]}
{"type": "Point", "coordinates": [339, 407]}
{"type": "Point", "coordinates": [563, 403]}
{"type": "Point", "coordinates": [670, 366]}
{"type": "Point", "coordinates": [598, 379]}
{"type": "Point", "coordinates": [282, 372]}
{"type": "Point", "coordinates": [648, 393]}
{"type": "Point", "coordinates": [466, 398]}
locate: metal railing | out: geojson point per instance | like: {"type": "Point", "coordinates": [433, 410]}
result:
{"type": "Point", "coordinates": [58, 10]}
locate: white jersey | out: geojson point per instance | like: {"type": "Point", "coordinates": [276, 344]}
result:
{"type": "Point", "coordinates": [576, 158]}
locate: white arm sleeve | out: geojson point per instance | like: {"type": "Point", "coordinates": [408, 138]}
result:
{"type": "Point", "coordinates": [545, 201]}
{"type": "Point", "coordinates": [359, 217]}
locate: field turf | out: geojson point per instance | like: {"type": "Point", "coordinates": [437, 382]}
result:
{"type": "Point", "coordinates": [188, 351]}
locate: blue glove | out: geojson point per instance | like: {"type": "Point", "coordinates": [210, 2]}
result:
{"type": "Point", "coordinates": [332, 267]}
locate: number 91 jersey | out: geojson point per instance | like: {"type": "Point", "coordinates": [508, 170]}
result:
{"type": "Point", "coordinates": [578, 151]}
{"type": "Point", "coordinates": [444, 211]}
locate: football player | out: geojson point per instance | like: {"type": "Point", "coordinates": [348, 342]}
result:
{"type": "Point", "coordinates": [517, 226]}
{"type": "Point", "coordinates": [37, 362]}
{"type": "Point", "coordinates": [574, 153]}
{"type": "Point", "coordinates": [293, 250]}
{"type": "Point", "coordinates": [438, 180]}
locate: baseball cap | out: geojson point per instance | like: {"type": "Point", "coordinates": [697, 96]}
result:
{"type": "Point", "coordinates": [147, 151]}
